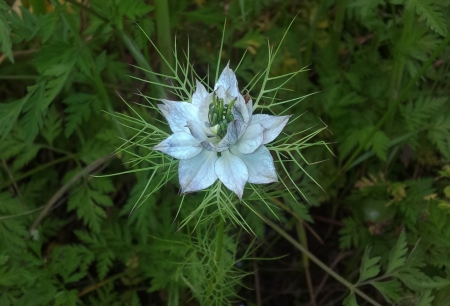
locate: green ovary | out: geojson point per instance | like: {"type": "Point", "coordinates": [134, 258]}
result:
{"type": "Point", "coordinates": [220, 116]}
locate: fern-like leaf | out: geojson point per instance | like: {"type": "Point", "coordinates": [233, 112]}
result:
{"type": "Point", "coordinates": [425, 299]}
{"type": "Point", "coordinates": [390, 290]}
{"type": "Point", "coordinates": [380, 144]}
{"type": "Point", "coordinates": [5, 35]}
{"type": "Point", "coordinates": [9, 112]}
{"type": "Point", "coordinates": [88, 202]}
{"type": "Point", "coordinates": [440, 135]}
{"type": "Point", "coordinates": [370, 267]}
{"type": "Point", "coordinates": [350, 300]}
{"type": "Point", "coordinates": [397, 257]}
{"type": "Point", "coordinates": [79, 109]}
{"type": "Point", "coordinates": [431, 13]}
{"type": "Point", "coordinates": [417, 114]}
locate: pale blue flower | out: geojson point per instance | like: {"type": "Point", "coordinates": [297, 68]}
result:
{"type": "Point", "coordinates": [215, 136]}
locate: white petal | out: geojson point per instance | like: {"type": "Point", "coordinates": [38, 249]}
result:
{"type": "Point", "coordinates": [180, 145]}
{"type": "Point", "coordinates": [197, 173]}
{"type": "Point", "coordinates": [228, 81]}
{"type": "Point", "coordinates": [240, 110]}
{"type": "Point", "coordinates": [251, 139]}
{"type": "Point", "coordinates": [273, 125]}
{"type": "Point", "coordinates": [235, 130]}
{"type": "Point", "coordinates": [199, 94]}
{"type": "Point", "coordinates": [261, 169]}
{"type": "Point", "coordinates": [203, 109]}
{"type": "Point", "coordinates": [249, 105]}
{"type": "Point", "coordinates": [178, 114]}
{"type": "Point", "coordinates": [232, 171]}
{"type": "Point", "coordinates": [197, 130]}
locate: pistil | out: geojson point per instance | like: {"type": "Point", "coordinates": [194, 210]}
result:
{"type": "Point", "coordinates": [220, 115]}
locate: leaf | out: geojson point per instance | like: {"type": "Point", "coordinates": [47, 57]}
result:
{"type": "Point", "coordinates": [390, 290]}
{"type": "Point", "coordinates": [71, 262]}
{"type": "Point", "coordinates": [440, 135]}
{"type": "Point", "coordinates": [5, 35]}
{"type": "Point", "coordinates": [425, 299]}
{"type": "Point", "coordinates": [431, 13]}
{"type": "Point", "coordinates": [416, 280]}
{"type": "Point", "coordinates": [13, 232]}
{"type": "Point", "coordinates": [26, 156]}
{"type": "Point", "coordinates": [46, 25]}
{"type": "Point", "coordinates": [9, 112]}
{"type": "Point", "coordinates": [397, 256]}
{"type": "Point", "coordinates": [350, 300]}
{"type": "Point", "coordinates": [417, 114]}
{"type": "Point", "coordinates": [352, 234]}
{"type": "Point", "coordinates": [52, 126]}
{"type": "Point", "coordinates": [66, 298]}
{"type": "Point", "coordinates": [44, 93]}
{"type": "Point", "coordinates": [380, 144]}
{"type": "Point", "coordinates": [79, 109]}
{"type": "Point", "coordinates": [88, 201]}
{"type": "Point", "coordinates": [104, 262]}
{"type": "Point", "coordinates": [369, 267]}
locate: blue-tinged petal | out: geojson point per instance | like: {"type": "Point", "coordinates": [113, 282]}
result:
{"type": "Point", "coordinates": [232, 171]}
{"type": "Point", "coordinates": [180, 145]}
{"type": "Point", "coordinates": [197, 173]}
{"type": "Point", "coordinates": [273, 125]}
{"type": "Point", "coordinates": [251, 139]}
{"type": "Point", "coordinates": [199, 94]}
{"type": "Point", "coordinates": [228, 81]}
{"type": "Point", "coordinates": [261, 169]}
{"type": "Point", "coordinates": [197, 130]}
{"type": "Point", "coordinates": [178, 114]}
{"type": "Point", "coordinates": [235, 130]}
{"type": "Point", "coordinates": [203, 109]}
{"type": "Point", "coordinates": [240, 110]}
{"type": "Point", "coordinates": [249, 105]}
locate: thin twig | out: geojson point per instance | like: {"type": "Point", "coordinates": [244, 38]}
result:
{"type": "Point", "coordinates": [287, 209]}
{"type": "Point", "coordinates": [257, 284]}
{"type": "Point", "coordinates": [318, 262]}
{"type": "Point", "coordinates": [11, 177]}
{"type": "Point", "coordinates": [340, 257]}
{"type": "Point", "coordinates": [65, 188]}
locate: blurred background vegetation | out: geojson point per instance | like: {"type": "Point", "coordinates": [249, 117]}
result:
{"type": "Point", "coordinates": [380, 71]}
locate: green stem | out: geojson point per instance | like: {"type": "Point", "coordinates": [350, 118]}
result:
{"type": "Point", "coordinates": [217, 257]}
{"type": "Point", "coordinates": [164, 36]}
{"type": "Point", "coordinates": [337, 26]}
{"type": "Point", "coordinates": [323, 266]}
{"type": "Point", "coordinates": [220, 234]}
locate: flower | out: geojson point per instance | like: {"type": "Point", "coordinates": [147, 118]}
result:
{"type": "Point", "coordinates": [215, 136]}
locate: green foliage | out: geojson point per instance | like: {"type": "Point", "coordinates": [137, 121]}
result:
{"type": "Point", "coordinates": [73, 234]}
{"type": "Point", "coordinates": [403, 271]}
{"type": "Point", "coordinates": [369, 267]}
{"type": "Point", "coordinates": [432, 14]}
{"type": "Point", "coordinates": [5, 40]}
{"type": "Point", "coordinates": [88, 199]}
{"type": "Point", "coordinates": [79, 109]}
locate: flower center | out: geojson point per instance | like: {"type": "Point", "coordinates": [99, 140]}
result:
{"type": "Point", "coordinates": [220, 115]}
